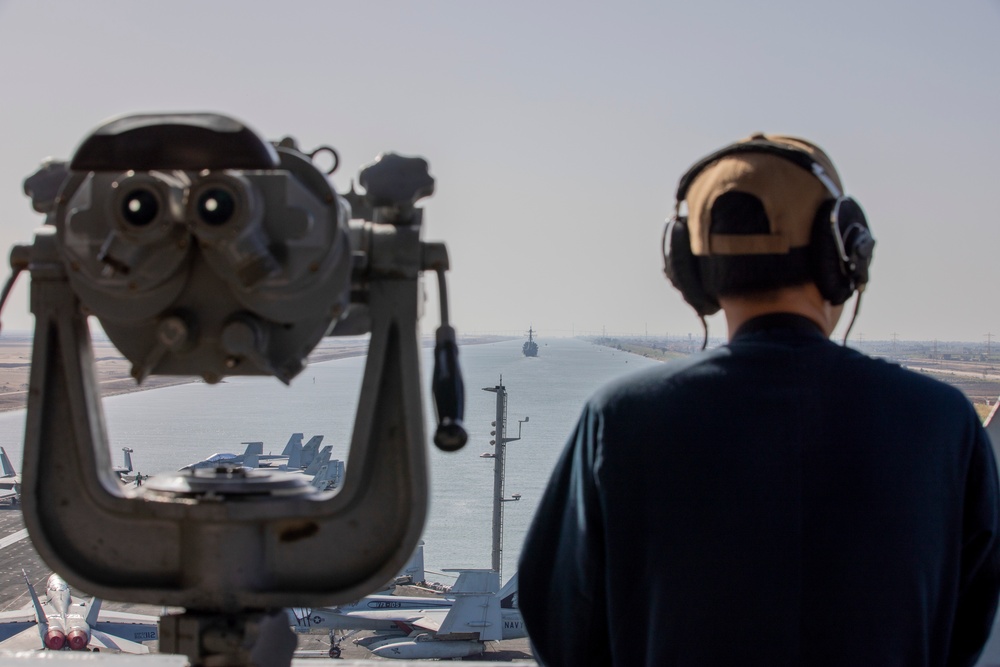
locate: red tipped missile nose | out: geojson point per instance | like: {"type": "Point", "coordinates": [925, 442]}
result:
{"type": "Point", "coordinates": [55, 639]}
{"type": "Point", "coordinates": [77, 639]}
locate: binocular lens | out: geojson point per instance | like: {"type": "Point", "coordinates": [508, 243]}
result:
{"type": "Point", "coordinates": [216, 206]}
{"type": "Point", "coordinates": [140, 207]}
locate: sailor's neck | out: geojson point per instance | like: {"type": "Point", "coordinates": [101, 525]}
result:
{"type": "Point", "coordinates": [804, 300]}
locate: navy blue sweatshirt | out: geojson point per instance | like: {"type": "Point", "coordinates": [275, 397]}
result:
{"type": "Point", "coordinates": [781, 500]}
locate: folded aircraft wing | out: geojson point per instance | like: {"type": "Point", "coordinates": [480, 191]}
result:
{"type": "Point", "coordinates": [122, 625]}
{"type": "Point", "coordinates": [133, 632]}
{"type": "Point", "coordinates": [25, 615]}
{"type": "Point", "coordinates": [424, 619]}
{"type": "Point", "coordinates": [473, 613]}
{"type": "Point", "coordinates": [475, 581]}
{"type": "Point", "coordinates": [430, 620]}
{"type": "Point", "coordinates": [14, 622]}
{"type": "Point", "coordinates": [108, 616]}
{"type": "Point", "coordinates": [105, 641]}
{"type": "Point", "coordinates": [27, 639]}
{"type": "Point", "coordinates": [393, 615]}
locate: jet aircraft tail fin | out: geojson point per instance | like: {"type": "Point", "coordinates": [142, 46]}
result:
{"type": "Point", "coordinates": [253, 448]}
{"type": "Point", "coordinates": [8, 469]}
{"type": "Point", "coordinates": [321, 460]}
{"type": "Point", "coordinates": [508, 594]}
{"type": "Point", "coordinates": [414, 568]}
{"type": "Point", "coordinates": [335, 474]}
{"type": "Point", "coordinates": [93, 611]}
{"type": "Point", "coordinates": [43, 625]}
{"type": "Point", "coordinates": [127, 459]}
{"type": "Point", "coordinates": [310, 450]}
{"type": "Point", "coordinates": [474, 613]}
{"type": "Point", "coordinates": [294, 444]}
{"type": "Point", "coordinates": [295, 458]}
{"type": "Point", "coordinates": [319, 481]}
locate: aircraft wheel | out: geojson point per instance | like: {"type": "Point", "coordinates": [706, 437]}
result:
{"type": "Point", "coordinates": [334, 652]}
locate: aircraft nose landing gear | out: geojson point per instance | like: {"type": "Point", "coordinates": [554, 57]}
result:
{"type": "Point", "coordinates": [335, 650]}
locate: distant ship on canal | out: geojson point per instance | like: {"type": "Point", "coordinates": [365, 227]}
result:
{"type": "Point", "coordinates": [530, 348]}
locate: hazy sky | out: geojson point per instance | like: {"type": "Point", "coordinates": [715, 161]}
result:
{"type": "Point", "coordinates": [557, 130]}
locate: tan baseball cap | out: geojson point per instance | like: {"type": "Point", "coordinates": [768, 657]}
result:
{"type": "Point", "coordinates": [790, 193]}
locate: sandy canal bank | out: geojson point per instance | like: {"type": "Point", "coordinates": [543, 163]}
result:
{"type": "Point", "coordinates": [113, 369]}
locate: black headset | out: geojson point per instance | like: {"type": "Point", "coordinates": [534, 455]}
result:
{"type": "Point", "coordinates": [840, 248]}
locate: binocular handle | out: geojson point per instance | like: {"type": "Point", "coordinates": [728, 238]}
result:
{"type": "Point", "coordinates": [449, 393]}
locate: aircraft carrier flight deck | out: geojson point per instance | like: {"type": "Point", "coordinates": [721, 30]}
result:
{"type": "Point", "coordinates": [17, 554]}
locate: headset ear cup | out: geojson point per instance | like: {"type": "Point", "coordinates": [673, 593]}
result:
{"type": "Point", "coordinates": [858, 242]}
{"type": "Point", "coordinates": [681, 268]}
{"type": "Point", "coordinates": [827, 265]}
{"type": "Point", "coordinates": [833, 240]}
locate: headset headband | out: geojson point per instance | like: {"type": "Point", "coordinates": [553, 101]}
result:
{"type": "Point", "coordinates": [794, 155]}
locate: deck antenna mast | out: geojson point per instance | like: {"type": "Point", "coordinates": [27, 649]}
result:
{"type": "Point", "coordinates": [499, 457]}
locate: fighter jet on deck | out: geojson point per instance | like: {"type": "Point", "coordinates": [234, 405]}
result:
{"type": "Point", "coordinates": [294, 457]}
{"type": "Point", "coordinates": [412, 628]}
{"type": "Point", "coordinates": [476, 617]}
{"type": "Point", "coordinates": [248, 459]}
{"type": "Point", "coordinates": [63, 622]}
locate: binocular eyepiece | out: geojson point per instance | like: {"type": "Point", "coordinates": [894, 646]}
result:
{"type": "Point", "coordinates": [194, 220]}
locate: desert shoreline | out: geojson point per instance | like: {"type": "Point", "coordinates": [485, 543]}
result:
{"type": "Point", "coordinates": [113, 370]}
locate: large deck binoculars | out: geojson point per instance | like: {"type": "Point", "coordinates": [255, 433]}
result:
{"type": "Point", "coordinates": [204, 250]}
